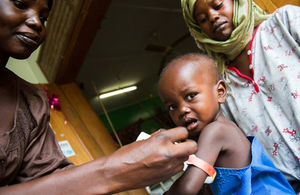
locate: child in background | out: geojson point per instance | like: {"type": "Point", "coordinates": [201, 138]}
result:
{"type": "Point", "coordinates": [258, 57]}
{"type": "Point", "coordinates": [192, 91]}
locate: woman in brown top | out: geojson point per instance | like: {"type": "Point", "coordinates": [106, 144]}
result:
{"type": "Point", "coordinates": [30, 157]}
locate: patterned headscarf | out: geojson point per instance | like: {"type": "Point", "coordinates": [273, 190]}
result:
{"type": "Point", "coordinates": [246, 16]}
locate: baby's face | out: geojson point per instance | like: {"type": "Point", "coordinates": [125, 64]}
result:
{"type": "Point", "coordinates": [189, 95]}
{"type": "Point", "coordinates": [215, 18]}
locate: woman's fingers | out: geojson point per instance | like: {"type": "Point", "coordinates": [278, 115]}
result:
{"type": "Point", "coordinates": [174, 135]}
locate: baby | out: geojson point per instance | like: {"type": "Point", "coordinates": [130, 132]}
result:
{"type": "Point", "coordinates": [192, 91]}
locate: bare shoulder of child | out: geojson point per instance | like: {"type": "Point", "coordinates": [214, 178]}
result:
{"type": "Point", "coordinates": [223, 142]}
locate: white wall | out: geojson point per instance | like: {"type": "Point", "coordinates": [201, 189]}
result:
{"type": "Point", "coordinates": [28, 69]}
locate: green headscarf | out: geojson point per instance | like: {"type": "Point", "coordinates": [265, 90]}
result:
{"type": "Point", "coordinates": [246, 16]}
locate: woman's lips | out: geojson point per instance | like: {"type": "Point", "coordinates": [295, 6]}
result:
{"type": "Point", "coordinates": [29, 39]}
{"type": "Point", "coordinates": [219, 26]}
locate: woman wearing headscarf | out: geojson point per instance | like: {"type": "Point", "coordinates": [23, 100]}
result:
{"type": "Point", "coordinates": [259, 61]}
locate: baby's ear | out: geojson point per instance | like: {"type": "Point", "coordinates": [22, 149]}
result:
{"type": "Point", "coordinates": [222, 92]}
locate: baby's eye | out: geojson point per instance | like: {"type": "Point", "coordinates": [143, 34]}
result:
{"type": "Point", "coordinates": [172, 107]}
{"type": "Point", "coordinates": [19, 4]}
{"type": "Point", "coordinates": [190, 96]}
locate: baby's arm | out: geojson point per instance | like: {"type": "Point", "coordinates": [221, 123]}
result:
{"type": "Point", "coordinates": [210, 143]}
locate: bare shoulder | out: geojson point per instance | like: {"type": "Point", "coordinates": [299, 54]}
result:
{"type": "Point", "coordinates": [220, 129]}
{"type": "Point", "coordinates": [234, 147]}
{"type": "Point", "coordinates": [215, 135]}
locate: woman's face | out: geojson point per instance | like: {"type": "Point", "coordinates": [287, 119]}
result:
{"type": "Point", "coordinates": [215, 18]}
{"type": "Point", "coordinates": [22, 26]}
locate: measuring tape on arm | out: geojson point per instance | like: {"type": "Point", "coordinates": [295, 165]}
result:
{"type": "Point", "coordinates": [201, 164]}
{"type": "Point", "coordinates": [204, 166]}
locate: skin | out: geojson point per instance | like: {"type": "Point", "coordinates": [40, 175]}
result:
{"type": "Point", "coordinates": [215, 18]}
{"type": "Point", "coordinates": [22, 27]}
{"type": "Point", "coordinates": [193, 100]}
{"type": "Point", "coordinates": [133, 166]}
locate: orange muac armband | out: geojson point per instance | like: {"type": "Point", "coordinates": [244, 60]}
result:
{"type": "Point", "coordinates": [207, 168]}
{"type": "Point", "coordinates": [201, 164]}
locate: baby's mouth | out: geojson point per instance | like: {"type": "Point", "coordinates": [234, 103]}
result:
{"type": "Point", "coordinates": [190, 124]}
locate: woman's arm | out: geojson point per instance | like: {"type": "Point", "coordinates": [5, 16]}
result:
{"type": "Point", "coordinates": [133, 166]}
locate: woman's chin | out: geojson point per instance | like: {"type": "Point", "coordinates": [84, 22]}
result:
{"type": "Point", "coordinates": [21, 56]}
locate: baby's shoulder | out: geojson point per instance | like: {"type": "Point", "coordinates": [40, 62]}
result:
{"type": "Point", "coordinates": [216, 129]}
{"type": "Point", "coordinates": [222, 125]}
{"type": "Point", "coordinates": [221, 130]}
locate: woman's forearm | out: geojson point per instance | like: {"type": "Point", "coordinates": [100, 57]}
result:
{"type": "Point", "coordinates": [133, 166]}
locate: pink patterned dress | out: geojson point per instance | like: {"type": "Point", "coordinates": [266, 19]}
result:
{"type": "Point", "coordinates": [268, 106]}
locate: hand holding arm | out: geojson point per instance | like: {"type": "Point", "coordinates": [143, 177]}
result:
{"type": "Point", "coordinates": [150, 161]}
{"type": "Point", "coordinates": [133, 166]}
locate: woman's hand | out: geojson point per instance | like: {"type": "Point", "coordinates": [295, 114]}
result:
{"type": "Point", "coordinates": [133, 166]}
{"type": "Point", "coordinates": [150, 161]}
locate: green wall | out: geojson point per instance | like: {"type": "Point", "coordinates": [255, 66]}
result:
{"type": "Point", "coordinates": [130, 114]}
